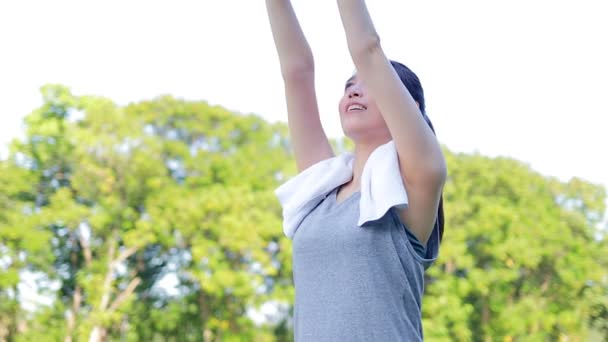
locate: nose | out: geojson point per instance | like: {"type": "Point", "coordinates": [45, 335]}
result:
{"type": "Point", "coordinates": [354, 91]}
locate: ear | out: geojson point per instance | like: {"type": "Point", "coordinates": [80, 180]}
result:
{"type": "Point", "coordinates": [418, 104]}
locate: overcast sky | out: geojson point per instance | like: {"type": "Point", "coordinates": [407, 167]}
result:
{"type": "Point", "coordinates": [525, 79]}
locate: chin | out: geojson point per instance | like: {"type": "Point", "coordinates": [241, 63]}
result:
{"type": "Point", "coordinates": [359, 132]}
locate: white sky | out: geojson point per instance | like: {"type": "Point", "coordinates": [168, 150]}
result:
{"type": "Point", "coordinates": [526, 79]}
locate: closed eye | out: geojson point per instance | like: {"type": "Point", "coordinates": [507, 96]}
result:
{"type": "Point", "coordinates": [349, 83]}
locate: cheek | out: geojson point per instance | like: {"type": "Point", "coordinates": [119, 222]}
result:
{"type": "Point", "coordinates": [341, 104]}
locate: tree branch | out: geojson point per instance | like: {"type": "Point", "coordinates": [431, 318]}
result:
{"type": "Point", "coordinates": [105, 297]}
{"type": "Point", "coordinates": [125, 294]}
{"type": "Point", "coordinates": [124, 255]}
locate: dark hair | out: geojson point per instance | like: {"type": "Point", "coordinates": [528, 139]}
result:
{"type": "Point", "coordinates": [412, 83]}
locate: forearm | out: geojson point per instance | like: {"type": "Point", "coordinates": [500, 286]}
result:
{"type": "Point", "coordinates": [361, 35]}
{"type": "Point", "coordinates": [295, 55]}
{"type": "Point", "coordinates": [418, 148]}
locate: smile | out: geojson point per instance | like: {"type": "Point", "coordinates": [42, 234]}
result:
{"type": "Point", "coordinates": [355, 107]}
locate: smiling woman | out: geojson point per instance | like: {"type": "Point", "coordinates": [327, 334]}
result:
{"type": "Point", "coordinates": [359, 280]}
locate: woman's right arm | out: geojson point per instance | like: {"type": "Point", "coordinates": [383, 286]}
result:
{"type": "Point", "coordinates": [310, 144]}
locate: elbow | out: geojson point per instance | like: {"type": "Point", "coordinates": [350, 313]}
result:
{"type": "Point", "coordinates": [436, 167]}
{"type": "Point", "coordinates": [437, 172]}
{"type": "Point", "coordinates": [433, 173]}
{"type": "Point", "coordinates": [362, 51]}
{"type": "Point", "coordinates": [297, 70]}
{"type": "Point", "coordinates": [441, 173]}
{"type": "Point", "coordinates": [298, 76]}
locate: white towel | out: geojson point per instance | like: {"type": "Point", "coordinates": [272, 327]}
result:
{"type": "Point", "coordinates": [381, 186]}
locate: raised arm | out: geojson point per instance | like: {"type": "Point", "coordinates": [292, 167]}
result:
{"type": "Point", "coordinates": [420, 157]}
{"type": "Point", "coordinates": [310, 143]}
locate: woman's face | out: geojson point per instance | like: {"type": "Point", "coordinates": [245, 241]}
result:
{"type": "Point", "coordinates": [359, 114]}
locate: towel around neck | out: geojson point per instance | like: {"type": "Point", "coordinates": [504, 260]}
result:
{"type": "Point", "coordinates": [381, 186]}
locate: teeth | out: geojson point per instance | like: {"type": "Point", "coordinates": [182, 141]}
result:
{"type": "Point", "coordinates": [356, 107]}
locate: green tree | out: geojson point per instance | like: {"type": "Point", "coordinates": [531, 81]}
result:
{"type": "Point", "coordinates": [103, 203]}
{"type": "Point", "coordinates": [520, 258]}
{"type": "Point", "coordinates": [220, 221]}
{"type": "Point", "coordinates": [17, 237]}
{"type": "Point", "coordinates": [124, 196]}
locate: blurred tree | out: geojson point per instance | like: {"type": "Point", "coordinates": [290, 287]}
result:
{"type": "Point", "coordinates": [521, 258]}
{"type": "Point", "coordinates": [18, 236]}
{"type": "Point", "coordinates": [158, 221]}
{"type": "Point", "coordinates": [125, 196]}
{"type": "Point", "coordinates": [219, 221]}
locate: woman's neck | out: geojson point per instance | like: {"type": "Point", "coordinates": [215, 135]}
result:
{"type": "Point", "coordinates": [362, 152]}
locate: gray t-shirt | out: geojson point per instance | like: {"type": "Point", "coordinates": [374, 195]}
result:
{"type": "Point", "coordinates": [357, 283]}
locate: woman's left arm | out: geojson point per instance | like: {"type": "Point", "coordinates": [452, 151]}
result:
{"type": "Point", "coordinates": [420, 158]}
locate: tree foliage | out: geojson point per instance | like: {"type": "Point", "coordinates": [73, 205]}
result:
{"type": "Point", "coordinates": [521, 260]}
{"type": "Point", "coordinates": [158, 221]}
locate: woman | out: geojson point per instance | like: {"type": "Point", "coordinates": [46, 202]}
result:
{"type": "Point", "coordinates": [361, 284]}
